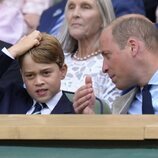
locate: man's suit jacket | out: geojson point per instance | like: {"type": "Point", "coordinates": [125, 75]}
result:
{"type": "Point", "coordinates": [14, 98]}
{"type": "Point", "coordinates": [122, 103]}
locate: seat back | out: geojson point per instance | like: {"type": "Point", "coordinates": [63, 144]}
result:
{"type": "Point", "coordinates": [101, 107]}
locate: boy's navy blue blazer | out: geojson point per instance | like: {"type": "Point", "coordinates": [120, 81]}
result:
{"type": "Point", "coordinates": [13, 72]}
{"type": "Point", "coordinates": [14, 99]}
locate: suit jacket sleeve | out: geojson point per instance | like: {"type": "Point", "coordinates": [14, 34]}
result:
{"type": "Point", "coordinates": [5, 63]}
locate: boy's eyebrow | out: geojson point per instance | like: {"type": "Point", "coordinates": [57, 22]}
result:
{"type": "Point", "coordinates": [46, 69]}
{"type": "Point", "coordinates": [31, 71]}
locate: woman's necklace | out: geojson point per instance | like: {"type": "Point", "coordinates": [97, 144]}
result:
{"type": "Point", "coordinates": [85, 57]}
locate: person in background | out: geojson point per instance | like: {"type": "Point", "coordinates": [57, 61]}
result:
{"type": "Point", "coordinates": [150, 9]}
{"type": "Point", "coordinates": [21, 19]}
{"type": "Point", "coordinates": [84, 21]}
{"type": "Point", "coordinates": [123, 7]}
{"type": "Point", "coordinates": [52, 18]}
{"type": "Point", "coordinates": [41, 61]}
{"type": "Point", "coordinates": [130, 49]}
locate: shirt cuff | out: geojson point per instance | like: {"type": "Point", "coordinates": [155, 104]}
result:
{"type": "Point", "coordinates": [5, 51]}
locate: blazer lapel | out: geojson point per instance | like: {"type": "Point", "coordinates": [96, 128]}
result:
{"type": "Point", "coordinates": [25, 103]}
{"type": "Point", "coordinates": [122, 104]}
{"type": "Point", "coordinates": [64, 106]}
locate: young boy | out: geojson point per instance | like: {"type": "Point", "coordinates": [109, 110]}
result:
{"type": "Point", "coordinates": [41, 61]}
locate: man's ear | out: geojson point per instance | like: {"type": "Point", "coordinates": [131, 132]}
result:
{"type": "Point", "coordinates": [133, 45]}
{"type": "Point", "coordinates": [63, 71]}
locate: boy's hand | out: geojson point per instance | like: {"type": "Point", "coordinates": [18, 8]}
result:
{"type": "Point", "coordinates": [25, 43]}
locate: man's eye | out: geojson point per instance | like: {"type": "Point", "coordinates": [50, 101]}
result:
{"type": "Point", "coordinates": [106, 55]}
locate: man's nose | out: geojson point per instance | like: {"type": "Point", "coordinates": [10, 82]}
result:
{"type": "Point", "coordinates": [105, 67]}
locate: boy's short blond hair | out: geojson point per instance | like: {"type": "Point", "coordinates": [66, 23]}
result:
{"type": "Point", "coordinates": [48, 51]}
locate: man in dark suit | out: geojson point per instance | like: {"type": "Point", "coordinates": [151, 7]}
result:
{"type": "Point", "coordinates": [41, 61]}
{"type": "Point", "coordinates": [135, 51]}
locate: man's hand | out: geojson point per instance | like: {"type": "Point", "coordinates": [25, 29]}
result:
{"type": "Point", "coordinates": [25, 43]}
{"type": "Point", "coordinates": [84, 98]}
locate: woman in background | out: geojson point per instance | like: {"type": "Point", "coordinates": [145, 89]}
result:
{"type": "Point", "coordinates": [84, 21]}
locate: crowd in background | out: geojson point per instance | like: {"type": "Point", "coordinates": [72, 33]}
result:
{"type": "Point", "coordinates": [46, 16]}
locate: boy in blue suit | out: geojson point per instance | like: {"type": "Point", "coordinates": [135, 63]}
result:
{"type": "Point", "coordinates": [41, 61]}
